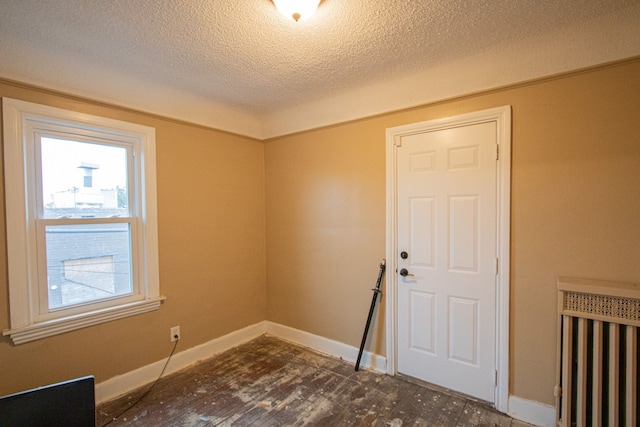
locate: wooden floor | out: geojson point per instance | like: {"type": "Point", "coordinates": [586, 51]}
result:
{"type": "Point", "coordinates": [270, 382]}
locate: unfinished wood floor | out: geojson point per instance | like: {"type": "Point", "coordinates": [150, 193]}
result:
{"type": "Point", "coordinates": [270, 382]}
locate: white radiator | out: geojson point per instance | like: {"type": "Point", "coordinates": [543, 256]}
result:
{"type": "Point", "coordinates": [598, 353]}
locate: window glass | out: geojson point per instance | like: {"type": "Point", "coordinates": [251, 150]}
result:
{"type": "Point", "coordinates": [87, 262]}
{"type": "Point", "coordinates": [82, 179]}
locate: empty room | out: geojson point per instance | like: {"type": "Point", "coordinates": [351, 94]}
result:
{"type": "Point", "coordinates": [362, 212]}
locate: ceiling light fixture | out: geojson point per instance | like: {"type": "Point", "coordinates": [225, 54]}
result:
{"type": "Point", "coordinates": [297, 9]}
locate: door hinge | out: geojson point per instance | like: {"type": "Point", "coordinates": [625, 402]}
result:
{"type": "Point", "coordinates": [495, 377]}
{"type": "Point", "coordinates": [497, 266]}
{"type": "Point", "coordinates": [557, 391]}
{"type": "Point", "coordinates": [497, 152]}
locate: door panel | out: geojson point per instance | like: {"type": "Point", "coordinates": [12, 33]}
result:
{"type": "Point", "coordinates": [463, 233]}
{"type": "Point", "coordinates": [423, 231]}
{"type": "Point", "coordinates": [463, 330]}
{"type": "Point", "coordinates": [446, 221]}
{"type": "Point", "coordinates": [423, 331]}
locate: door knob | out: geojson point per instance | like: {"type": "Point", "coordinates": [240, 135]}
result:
{"type": "Point", "coordinates": [405, 273]}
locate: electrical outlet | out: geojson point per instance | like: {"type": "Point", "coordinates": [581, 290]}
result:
{"type": "Point", "coordinates": [175, 333]}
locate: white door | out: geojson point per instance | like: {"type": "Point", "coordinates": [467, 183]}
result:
{"type": "Point", "coordinates": [446, 244]}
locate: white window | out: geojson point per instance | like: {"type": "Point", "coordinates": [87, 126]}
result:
{"type": "Point", "coordinates": [81, 219]}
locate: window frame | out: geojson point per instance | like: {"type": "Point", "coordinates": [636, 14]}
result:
{"type": "Point", "coordinates": [23, 125]}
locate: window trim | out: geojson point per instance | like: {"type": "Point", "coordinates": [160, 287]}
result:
{"type": "Point", "coordinates": [21, 220]}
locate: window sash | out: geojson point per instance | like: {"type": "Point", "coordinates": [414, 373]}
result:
{"type": "Point", "coordinates": [40, 287]}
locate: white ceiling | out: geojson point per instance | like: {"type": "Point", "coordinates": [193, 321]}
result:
{"type": "Point", "coordinates": [239, 66]}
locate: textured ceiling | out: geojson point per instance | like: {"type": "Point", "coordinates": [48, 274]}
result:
{"type": "Point", "coordinates": [238, 65]}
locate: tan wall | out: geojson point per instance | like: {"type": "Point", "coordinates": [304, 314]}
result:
{"type": "Point", "coordinates": [575, 211]}
{"type": "Point", "coordinates": [211, 250]}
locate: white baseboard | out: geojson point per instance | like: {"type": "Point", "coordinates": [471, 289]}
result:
{"type": "Point", "coordinates": [327, 346]}
{"type": "Point", "coordinates": [121, 384]}
{"type": "Point", "coordinates": [532, 412]}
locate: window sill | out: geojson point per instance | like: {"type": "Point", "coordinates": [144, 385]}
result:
{"type": "Point", "coordinates": [67, 324]}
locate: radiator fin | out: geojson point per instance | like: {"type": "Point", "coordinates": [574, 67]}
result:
{"type": "Point", "coordinates": [598, 353]}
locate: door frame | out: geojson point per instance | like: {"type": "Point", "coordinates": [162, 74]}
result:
{"type": "Point", "coordinates": [502, 117]}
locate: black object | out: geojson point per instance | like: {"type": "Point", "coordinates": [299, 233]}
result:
{"type": "Point", "coordinates": [404, 272]}
{"type": "Point", "coordinates": [376, 291]}
{"type": "Point", "coordinates": [67, 404]}
{"type": "Point", "coordinates": [404, 255]}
